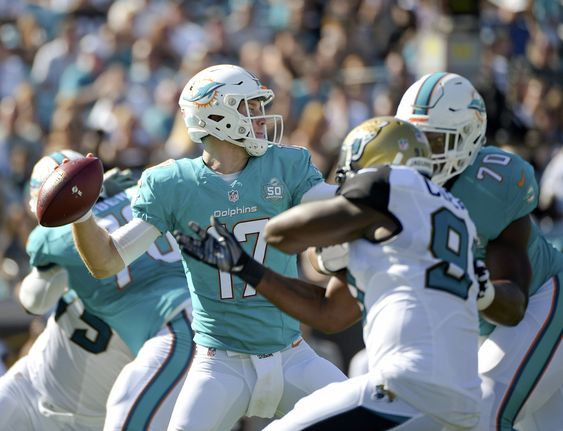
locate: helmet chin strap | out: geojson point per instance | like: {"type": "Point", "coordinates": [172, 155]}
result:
{"type": "Point", "coordinates": [253, 149]}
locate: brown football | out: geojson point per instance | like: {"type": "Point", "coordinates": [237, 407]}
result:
{"type": "Point", "coordinates": [69, 192]}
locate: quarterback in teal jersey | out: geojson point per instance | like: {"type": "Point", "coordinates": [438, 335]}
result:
{"type": "Point", "coordinates": [250, 359]}
{"type": "Point", "coordinates": [521, 361]}
{"type": "Point", "coordinates": [146, 305]}
{"type": "Point", "coordinates": [405, 236]}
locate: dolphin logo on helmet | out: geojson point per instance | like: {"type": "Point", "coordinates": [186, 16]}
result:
{"type": "Point", "coordinates": [204, 92]}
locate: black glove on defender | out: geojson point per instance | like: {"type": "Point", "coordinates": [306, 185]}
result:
{"type": "Point", "coordinates": [224, 252]}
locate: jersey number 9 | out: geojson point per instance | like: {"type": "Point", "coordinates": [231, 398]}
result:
{"type": "Point", "coordinates": [450, 244]}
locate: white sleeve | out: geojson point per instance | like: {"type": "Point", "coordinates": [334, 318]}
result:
{"type": "Point", "coordinates": [319, 192]}
{"type": "Point", "coordinates": [40, 290]}
{"type": "Point", "coordinates": [133, 239]}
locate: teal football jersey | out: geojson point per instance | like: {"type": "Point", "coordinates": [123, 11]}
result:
{"type": "Point", "coordinates": [227, 313]}
{"type": "Point", "coordinates": [138, 300]}
{"type": "Point", "coordinates": [498, 188]}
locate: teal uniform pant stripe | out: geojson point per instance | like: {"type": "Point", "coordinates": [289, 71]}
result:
{"type": "Point", "coordinates": [534, 363]}
{"type": "Point", "coordinates": [425, 93]}
{"type": "Point", "coordinates": [166, 378]}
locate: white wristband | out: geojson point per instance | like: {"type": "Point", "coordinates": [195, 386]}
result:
{"type": "Point", "coordinates": [84, 217]}
{"type": "Point", "coordinates": [486, 297]}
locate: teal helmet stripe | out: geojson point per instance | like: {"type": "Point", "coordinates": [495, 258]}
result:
{"type": "Point", "coordinates": [57, 157]}
{"type": "Point", "coordinates": [534, 363]}
{"type": "Point", "coordinates": [425, 92]}
{"type": "Point", "coordinates": [34, 182]}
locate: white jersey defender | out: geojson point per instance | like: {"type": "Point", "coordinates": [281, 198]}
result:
{"type": "Point", "coordinates": [72, 394]}
{"type": "Point", "coordinates": [421, 331]}
{"type": "Point", "coordinates": [411, 269]}
{"type": "Point", "coordinates": [420, 302]}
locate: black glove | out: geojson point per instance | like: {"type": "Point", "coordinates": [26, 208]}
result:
{"type": "Point", "coordinates": [224, 253]}
{"type": "Point", "coordinates": [117, 180]}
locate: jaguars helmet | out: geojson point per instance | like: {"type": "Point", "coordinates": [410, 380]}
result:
{"type": "Point", "coordinates": [384, 140]}
{"type": "Point", "coordinates": [210, 106]}
{"type": "Point", "coordinates": [43, 168]}
{"type": "Point", "coordinates": [448, 109]}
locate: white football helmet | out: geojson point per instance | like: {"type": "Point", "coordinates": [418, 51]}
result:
{"type": "Point", "coordinates": [43, 168]}
{"type": "Point", "coordinates": [448, 109]}
{"type": "Point", "coordinates": [210, 104]}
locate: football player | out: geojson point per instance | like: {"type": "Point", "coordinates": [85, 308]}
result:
{"type": "Point", "coordinates": [521, 361]}
{"type": "Point", "coordinates": [412, 279]}
{"type": "Point", "coordinates": [250, 358]}
{"type": "Point", "coordinates": [138, 318]}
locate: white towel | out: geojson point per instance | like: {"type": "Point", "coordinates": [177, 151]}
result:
{"type": "Point", "coordinates": [268, 389]}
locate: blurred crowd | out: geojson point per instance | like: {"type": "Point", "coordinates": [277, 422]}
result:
{"type": "Point", "coordinates": [104, 77]}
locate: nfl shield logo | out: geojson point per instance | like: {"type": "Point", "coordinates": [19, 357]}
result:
{"type": "Point", "coordinates": [233, 195]}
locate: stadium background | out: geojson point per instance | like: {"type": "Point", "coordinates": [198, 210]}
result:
{"type": "Point", "coordinates": [104, 77]}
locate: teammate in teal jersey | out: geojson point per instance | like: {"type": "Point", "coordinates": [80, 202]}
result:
{"type": "Point", "coordinates": [64, 380]}
{"type": "Point", "coordinates": [250, 358]}
{"type": "Point", "coordinates": [551, 199]}
{"type": "Point", "coordinates": [146, 304]}
{"type": "Point", "coordinates": [521, 361]}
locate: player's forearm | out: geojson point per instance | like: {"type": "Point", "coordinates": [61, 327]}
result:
{"type": "Point", "coordinates": [306, 302]}
{"type": "Point", "coordinates": [285, 236]}
{"type": "Point", "coordinates": [320, 224]}
{"type": "Point", "coordinates": [96, 249]}
{"type": "Point", "coordinates": [509, 305]}
{"type": "Point", "coordinates": [510, 272]}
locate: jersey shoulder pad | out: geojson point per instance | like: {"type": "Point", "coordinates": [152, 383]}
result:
{"type": "Point", "coordinates": [290, 153]}
{"type": "Point", "coordinates": [162, 172]}
{"type": "Point", "coordinates": [163, 179]}
{"type": "Point", "coordinates": [35, 245]}
{"type": "Point", "coordinates": [407, 177]}
{"type": "Point", "coordinates": [157, 197]}
{"type": "Point", "coordinates": [132, 192]}
{"type": "Point", "coordinates": [295, 168]}
{"type": "Point", "coordinates": [46, 246]}
{"type": "Point", "coordinates": [507, 174]}
{"type": "Point", "coordinates": [369, 187]}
